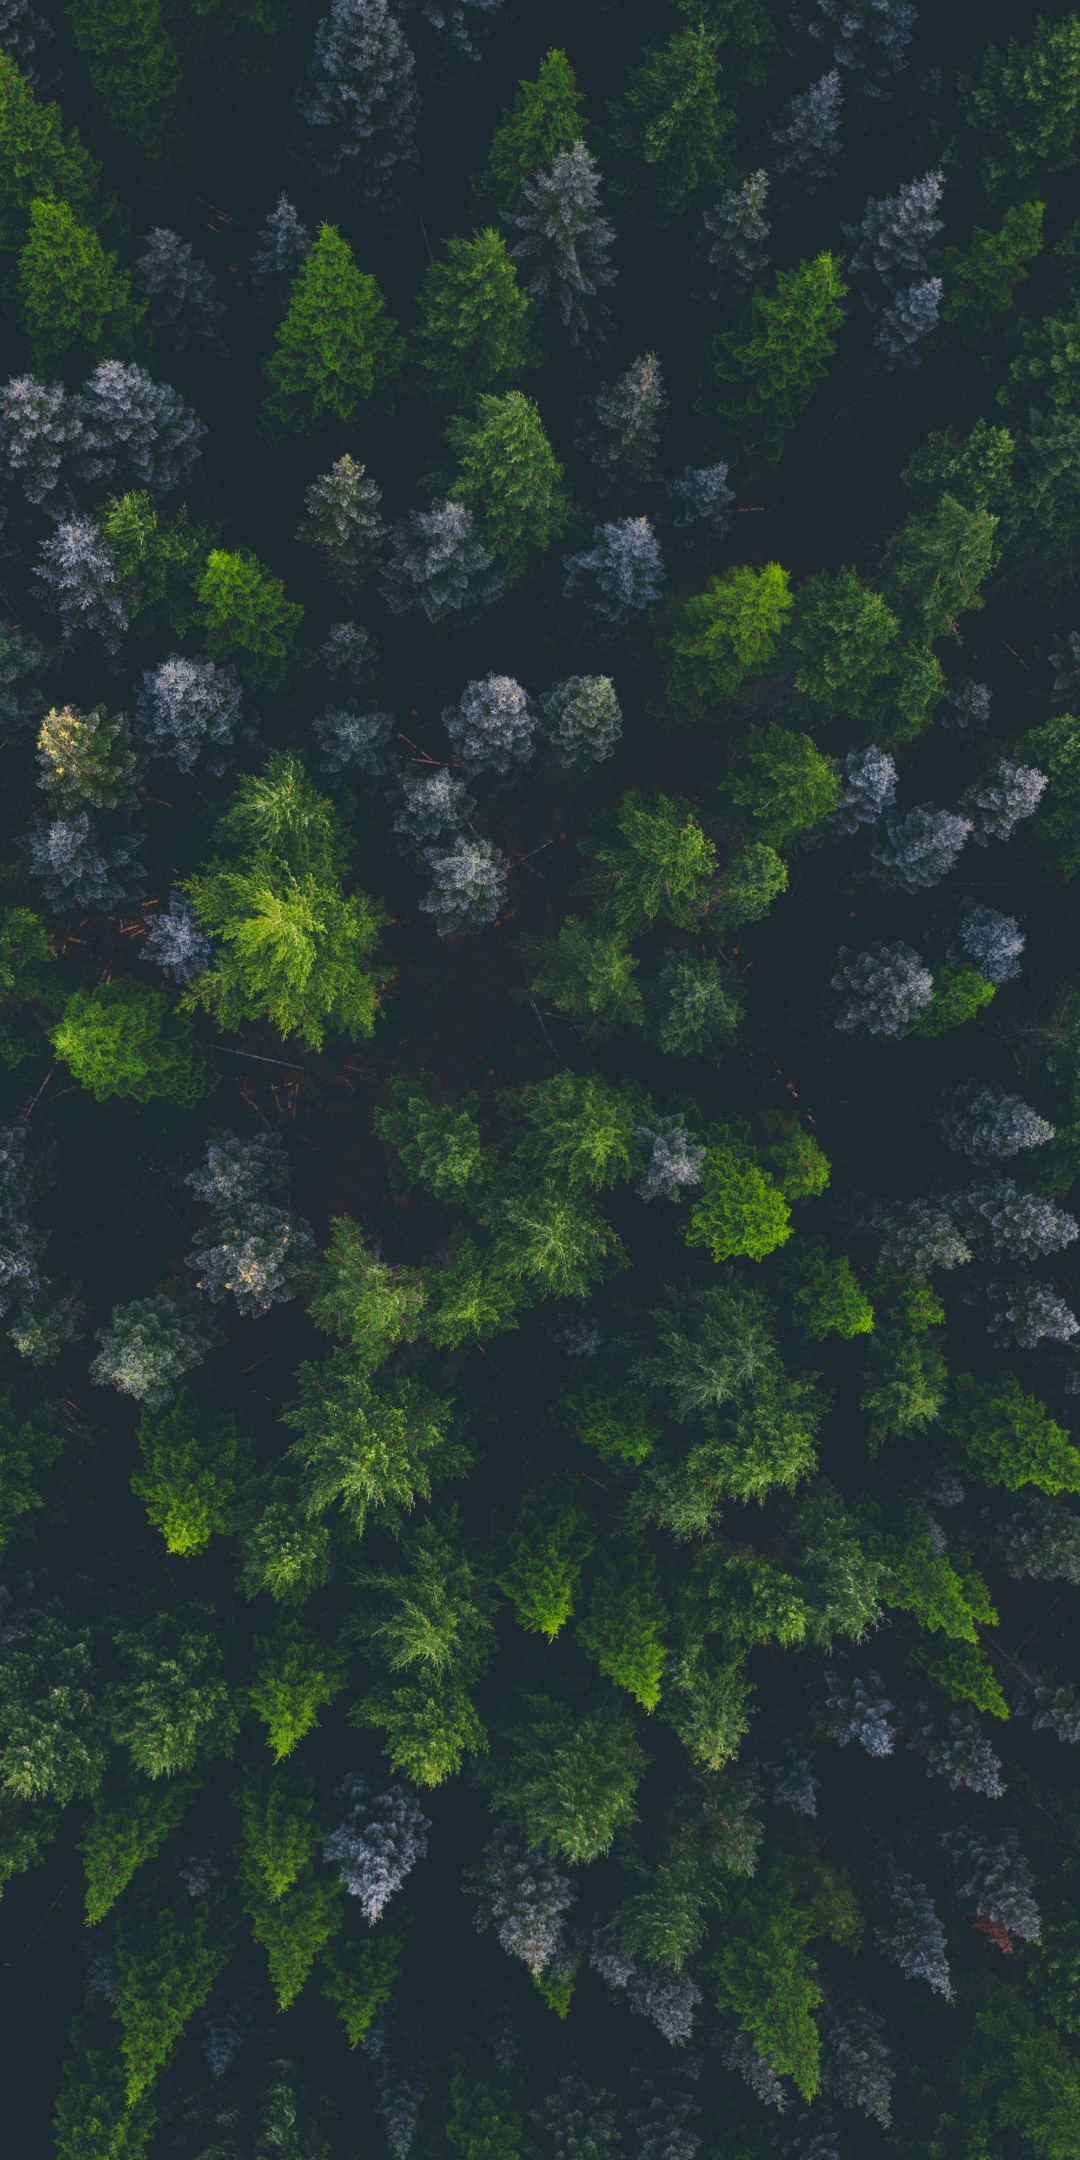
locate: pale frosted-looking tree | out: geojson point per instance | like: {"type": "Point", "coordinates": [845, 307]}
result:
{"type": "Point", "coordinates": [622, 572]}
{"type": "Point", "coordinates": [432, 806]}
{"type": "Point", "coordinates": [1042, 1538]}
{"type": "Point", "coordinates": [565, 245]}
{"type": "Point", "coordinates": [894, 241]}
{"type": "Point", "coordinates": [523, 1896]}
{"type": "Point", "coordinates": [177, 943]}
{"type": "Point", "coordinates": [856, 2062]}
{"type": "Point", "coordinates": [24, 669]}
{"type": "Point", "coordinates": [789, 1776]}
{"type": "Point", "coordinates": [736, 230]}
{"type": "Point", "coordinates": [378, 1844]}
{"type": "Point", "coordinates": [994, 943]}
{"type": "Point", "coordinates": [907, 320]}
{"type": "Point", "coordinates": [76, 867]}
{"type": "Point", "coordinates": [869, 789]}
{"type": "Point", "coordinates": [881, 991]}
{"type": "Point", "coordinates": [920, 849]}
{"type": "Point", "coordinates": [967, 707]}
{"type": "Point", "coordinates": [349, 655]}
{"type": "Point", "coordinates": [27, 38]}
{"type": "Point", "coordinates": [260, 1252]}
{"type": "Point", "coordinates": [492, 725]}
{"type": "Point", "coordinates": [1027, 1313]}
{"type": "Point", "coordinates": [704, 499]}
{"type": "Point", "coordinates": [869, 38]}
{"type": "Point", "coordinates": [958, 1750]}
{"type": "Point", "coordinates": [439, 564]}
{"type": "Point", "coordinates": [858, 1709]}
{"type": "Point", "coordinates": [40, 430]}
{"type": "Point", "coordinates": [738, 2052]}
{"type": "Point", "coordinates": [76, 576]}
{"type": "Point", "coordinates": [1058, 1711]}
{"type": "Point", "coordinates": [343, 523]}
{"type": "Point", "coordinates": [1010, 1224]}
{"type": "Point", "coordinates": [913, 1937]}
{"type": "Point", "coordinates": [920, 1235]}
{"type": "Point", "coordinates": [582, 719]}
{"type": "Point", "coordinates": [23, 1171]}
{"type": "Point", "coordinates": [997, 805]}
{"type": "Point", "coordinates": [182, 292]}
{"type": "Point", "coordinates": [355, 741]}
{"type": "Point", "coordinates": [284, 245]}
{"type": "Point", "coordinates": [667, 1999]}
{"type": "Point", "coordinates": [808, 135]}
{"type": "Point", "coordinates": [995, 1877]}
{"type": "Point", "coordinates": [450, 24]}
{"type": "Point", "coordinates": [134, 432]}
{"type": "Point", "coordinates": [187, 709]}
{"type": "Point", "coordinates": [85, 760]}
{"type": "Point", "coordinates": [985, 1122]}
{"type": "Point", "coordinates": [357, 103]}
{"type": "Point", "coordinates": [673, 1158]}
{"type": "Point", "coordinates": [468, 885]}
{"type": "Point", "coordinates": [622, 433]}
{"type": "Point", "coordinates": [151, 1344]}
{"type": "Point", "coordinates": [42, 1329]}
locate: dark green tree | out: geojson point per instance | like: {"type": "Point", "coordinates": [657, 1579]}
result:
{"type": "Point", "coordinates": [337, 345]}
{"type": "Point", "coordinates": [473, 332]}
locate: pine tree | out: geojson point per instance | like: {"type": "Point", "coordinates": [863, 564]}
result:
{"type": "Point", "coordinates": [254, 1248]}
{"type": "Point", "coordinates": [704, 498]}
{"type": "Point", "coordinates": [524, 1897]}
{"type": "Point", "coordinates": [622, 435]}
{"type": "Point", "coordinates": [982, 282]}
{"type": "Point", "coordinates": [151, 1344]}
{"type": "Point", "coordinates": [378, 1844]}
{"type": "Point", "coordinates": [662, 865]}
{"type": "Point", "coordinates": [907, 320]}
{"type": "Point", "coordinates": [343, 523]}
{"type": "Point", "coordinates": [40, 432]}
{"type": "Point", "coordinates": [895, 239]}
{"type": "Point", "coordinates": [122, 1039]}
{"type": "Point", "coordinates": [85, 761]}
{"type": "Point", "coordinates": [508, 470]}
{"type": "Point", "coordinates": [735, 233]}
{"type": "Point", "coordinates": [133, 432]}
{"type": "Point", "coordinates": [545, 119]}
{"type": "Point", "coordinates": [588, 972]}
{"type": "Point", "coordinates": [694, 1012]}
{"type": "Point", "coordinates": [492, 725]}
{"type": "Point", "coordinates": [721, 635]}
{"type": "Point", "coordinates": [582, 719]}
{"type": "Point", "coordinates": [775, 359]}
{"type": "Point", "coordinates": [869, 37]}
{"type": "Point", "coordinates": [997, 804]}
{"type": "Point", "coordinates": [78, 578]}
{"type": "Point", "coordinates": [433, 806]}
{"type": "Point", "coordinates": [473, 332]}
{"type": "Point", "coordinates": [180, 292]}
{"type": "Point", "coordinates": [284, 246]}
{"type": "Point", "coordinates": [194, 1464]}
{"type": "Point", "coordinates": [990, 1125]}
{"type": "Point", "coordinates": [176, 942]}
{"type": "Point", "coordinates": [808, 138]}
{"type": "Point", "coordinates": [621, 572]}
{"type": "Point", "coordinates": [337, 343]}
{"type": "Point", "coordinates": [71, 292]}
{"type": "Point", "coordinates": [1019, 110]}
{"type": "Point", "coordinates": [920, 849]}
{"type": "Point", "coordinates": [247, 617]}
{"type": "Point", "coordinates": [134, 70]}
{"type": "Point", "coordinates": [674, 123]}
{"type": "Point", "coordinates": [78, 867]}
{"type": "Point", "coordinates": [27, 38]}
{"type": "Point", "coordinates": [565, 244]}
{"type": "Point", "coordinates": [439, 565]}
{"type": "Point", "coordinates": [881, 991]}
{"type": "Point", "coordinates": [548, 1547]}
{"type": "Point", "coordinates": [782, 784]}
{"type": "Point", "coordinates": [188, 709]}
{"type": "Point", "coordinates": [357, 106]}
{"type": "Point", "coordinates": [35, 160]}
{"type": "Point", "coordinates": [468, 886]}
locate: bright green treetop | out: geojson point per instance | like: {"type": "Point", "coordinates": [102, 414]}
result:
{"type": "Point", "coordinates": [247, 617]}
{"type": "Point", "coordinates": [337, 345]}
{"type": "Point", "coordinates": [35, 159]}
{"type": "Point", "coordinates": [73, 296]}
{"type": "Point", "coordinates": [473, 332]}
{"type": "Point", "coordinates": [544, 119]}
{"type": "Point", "coordinates": [720, 636]}
{"type": "Point", "coordinates": [769, 367]}
{"type": "Point", "coordinates": [661, 865]}
{"type": "Point", "coordinates": [510, 474]}
{"type": "Point", "coordinates": [782, 784]}
{"type": "Point", "coordinates": [123, 1038]}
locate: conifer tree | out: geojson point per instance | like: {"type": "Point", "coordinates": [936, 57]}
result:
{"type": "Point", "coordinates": [808, 137]}
{"type": "Point", "coordinates": [357, 104]}
{"type": "Point", "coordinates": [508, 471]}
{"type": "Point", "coordinates": [247, 617]}
{"type": "Point", "coordinates": [72, 293]}
{"type": "Point", "coordinates": [769, 367]}
{"type": "Point", "coordinates": [621, 572]}
{"type": "Point", "coordinates": [735, 234]}
{"type": "Point", "coordinates": [133, 432]}
{"type": "Point", "coordinates": [473, 332]}
{"type": "Point", "coordinates": [284, 245]}
{"type": "Point", "coordinates": [337, 343]}
{"type": "Point", "coordinates": [623, 433]}
{"type": "Point", "coordinates": [343, 523]}
{"type": "Point", "coordinates": [36, 161]}
{"type": "Point", "coordinates": [134, 70]}
{"type": "Point", "coordinates": [674, 123]}
{"type": "Point", "coordinates": [438, 563]}
{"type": "Point", "coordinates": [180, 292]}
{"type": "Point", "coordinates": [565, 244]}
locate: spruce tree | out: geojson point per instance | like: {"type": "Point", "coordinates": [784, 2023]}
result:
{"type": "Point", "coordinates": [508, 471]}
{"type": "Point", "coordinates": [181, 294]}
{"type": "Point", "coordinates": [35, 159]}
{"type": "Point", "coordinates": [623, 434]}
{"type": "Point", "coordinates": [544, 119]}
{"type": "Point", "coordinates": [357, 105]}
{"type": "Point", "coordinates": [473, 333]}
{"type": "Point", "coordinates": [72, 294]}
{"type": "Point", "coordinates": [134, 70]}
{"type": "Point", "coordinates": [337, 344]}
{"type": "Point", "coordinates": [673, 126]}
{"type": "Point", "coordinates": [565, 244]}
{"type": "Point", "coordinates": [808, 136]}
{"type": "Point", "coordinates": [284, 245]}
{"type": "Point", "coordinates": [735, 235]}
{"type": "Point", "coordinates": [769, 367]}
{"type": "Point", "coordinates": [343, 523]}
{"type": "Point", "coordinates": [439, 565]}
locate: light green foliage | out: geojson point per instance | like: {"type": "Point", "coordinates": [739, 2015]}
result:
{"type": "Point", "coordinates": [977, 470]}
{"type": "Point", "coordinates": [1047, 367]}
{"type": "Point", "coordinates": [293, 948]}
{"type": "Point", "coordinates": [548, 1547]}
{"type": "Point", "coordinates": [707, 1703]}
{"type": "Point", "coordinates": [133, 68]}
{"type": "Point", "coordinates": [1008, 1437]}
{"type": "Point", "coordinates": [429, 1626]}
{"type": "Point", "coordinates": [194, 1466]}
{"type": "Point", "coordinates": [945, 1596]}
{"type": "Point", "coordinates": [753, 877]}
{"type": "Point", "coordinates": [981, 280]}
{"type": "Point", "coordinates": [566, 1772]}
{"type": "Point", "coordinates": [282, 1551]}
{"type": "Point", "coordinates": [580, 1133]}
{"type": "Point", "coordinates": [364, 1446]}
{"type": "Point", "coordinates": [662, 866]}
{"type": "Point", "coordinates": [751, 1600]}
{"type": "Point", "coordinates": [122, 1038]}
{"type": "Point", "coordinates": [717, 1367]}
{"type": "Point", "coordinates": [959, 993]}
{"type": "Point", "coordinates": [482, 2125]}
{"type": "Point", "coordinates": [159, 562]}
{"type": "Point", "coordinates": [696, 1013]}
{"type": "Point", "coordinates": [799, 1165]}
{"type": "Point", "coordinates": [849, 658]}
{"type": "Point", "coordinates": [768, 368]}
{"type": "Point", "coordinates": [509, 473]}
{"type": "Point", "coordinates": [718, 637]}
{"type": "Point", "coordinates": [127, 1826]}
{"type": "Point", "coordinates": [473, 332]}
{"type": "Point", "coordinates": [589, 973]}
{"type": "Point", "coordinates": [825, 1295]}
{"type": "Point", "coordinates": [35, 159]}
{"type": "Point", "coordinates": [1022, 109]}
{"type": "Point", "coordinates": [838, 1575]}
{"type": "Point", "coordinates": [280, 1828]}
{"type": "Point", "coordinates": [740, 1210]}
{"type": "Point", "coordinates": [782, 784]}
{"type": "Point", "coordinates": [52, 1713]}
{"type": "Point", "coordinates": [29, 978]}
{"type": "Point", "coordinates": [337, 346]}
{"type": "Point", "coordinates": [170, 1704]}
{"type": "Point", "coordinates": [438, 1144]}
{"type": "Point", "coordinates": [247, 618]}
{"type": "Point", "coordinates": [612, 1419]}
{"type": "Point", "coordinates": [544, 119]}
{"type": "Point", "coordinates": [766, 1980]}
{"type": "Point", "coordinates": [297, 1675]}
{"type": "Point", "coordinates": [294, 1929]}
{"type": "Point", "coordinates": [26, 1833]}
{"type": "Point", "coordinates": [73, 296]}
{"type": "Point", "coordinates": [936, 566]}
{"type": "Point", "coordinates": [169, 1952]}
{"type": "Point", "coordinates": [470, 1298]}
{"type": "Point", "coordinates": [428, 1727]}
{"type": "Point", "coordinates": [93, 2119]}
{"type": "Point", "coordinates": [905, 1372]}
{"type": "Point", "coordinates": [35, 1434]}
{"type": "Point", "coordinates": [1056, 747]}
{"type": "Point", "coordinates": [673, 126]}
{"type": "Point", "coordinates": [624, 1623]}
{"type": "Point", "coordinates": [555, 1244]}
{"type": "Point", "coordinates": [965, 1672]}
{"type": "Point", "coordinates": [371, 1305]}
{"type": "Point", "coordinates": [362, 1965]}
{"type": "Point", "coordinates": [85, 761]}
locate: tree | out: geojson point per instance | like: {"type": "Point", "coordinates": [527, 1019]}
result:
{"type": "Point", "coordinates": [188, 709]}
{"type": "Point", "coordinates": [378, 1844]}
{"type": "Point", "coordinates": [180, 292]}
{"type": "Point", "coordinates": [492, 725]}
{"type": "Point", "coordinates": [129, 1822]}
{"type": "Point", "coordinates": [473, 334]}
{"type": "Point", "coordinates": [134, 70]}
{"type": "Point", "coordinates": [77, 868]}
{"type": "Point", "coordinates": [357, 104]}
{"type": "Point", "coordinates": [1022, 108]}
{"type": "Point", "coordinates": [78, 578]}
{"type": "Point", "coordinates": [783, 785]}
{"type": "Point", "coordinates": [623, 434]}
{"type": "Point", "coordinates": [881, 991]}
{"type": "Point", "coordinates": [735, 234]}
{"type": "Point", "coordinates": [284, 244]}
{"type": "Point", "coordinates": [508, 470]}
{"type": "Point", "coordinates": [38, 434]}
{"type": "Point", "coordinates": [544, 119]}
{"type": "Point", "coordinates": [297, 1675]}
{"type": "Point", "coordinates": [998, 803]}
{"type": "Point", "coordinates": [71, 292]}
{"type": "Point", "coordinates": [704, 498]}
{"type": "Point", "coordinates": [194, 1464]}
{"type": "Point", "coordinates": [36, 161]}
{"type": "Point", "coordinates": [524, 1897]}
{"type": "Point", "coordinates": [29, 979]}
{"type": "Point", "coordinates": [246, 616]}
{"type": "Point", "coordinates": [808, 137]}
{"type": "Point", "coordinates": [85, 761]}
{"type": "Point", "coordinates": [1008, 1437]}
{"type": "Point", "coordinates": [959, 993]}
{"type": "Point", "coordinates": [768, 368]}
{"type": "Point", "coordinates": [565, 244]}
{"type": "Point", "coordinates": [918, 850]}
{"type": "Point", "coordinates": [868, 37]}
{"type": "Point", "coordinates": [343, 523]}
{"type": "Point", "coordinates": [548, 1547]}
{"type": "Point", "coordinates": [580, 1134]}
{"type": "Point", "coordinates": [468, 886]}
{"type": "Point", "coordinates": [439, 1147]}
{"type": "Point", "coordinates": [849, 657]}
{"type": "Point", "coordinates": [766, 1979]}
{"type": "Point", "coordinates": [372, 1450]}
{"type": "Point", "coordinates": [661, 865]}
{"type": "Point", "coordinates": [741, 1211]}
{"type": "Point", "coordinates": [982, 280]}
{"type": "Point", "coordinates": [439, 565]}
{"type": "Point", "coordinates": [168, 1956]}
{"type": "Point", "coordinates": [895, 239]}
{"type": "Point", "coordinates": [337, 344]}
{"type": "Point", "coordinates": [134, 432]}
{"type": "Point", "coordinates": [151, 1344]}
{"type": "Point", "coordinates": [622, 572]}
{"type": "Point", "coordinates": [673, 1158]}
{"type": "Point", "coordinates": [674, 122]}
{"type": "Point", "coordinates": [567, 1773]}
{"type": "Point", "coordinates": [936, 566]}
{"type": "Point", "coordinates": [433, 806]}
{"type": "Point", "coordinates": [159, 567]}
{"type": "Point", "coordinates": [694, 1012]}
{"type": "Point", "coordinates": [624, 1623]}
{"type": "Point", "coordinates": [721, 635]}
{"type": "Point", "coordinates": [123, 1039]}
{"type": "Point", "coordinates": [176, 943]}
{"type": "Point", "coordinates": [257, 1248]}
{"type": "Point", "coordinates": [582, 719]}
{"type": "Point", "coordinates": [26, 33]}
{"type": "Point", "coordinates": [588, 972]}
{"type": "Point", "coordinates": [990, 1125]}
